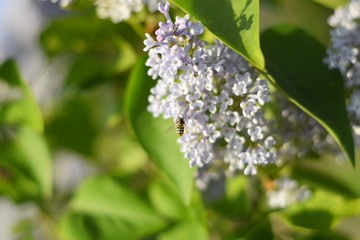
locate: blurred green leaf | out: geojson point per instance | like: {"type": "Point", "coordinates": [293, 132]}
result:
{"type": "Point", "coordinates": [310, 16]}
{"type": "Point", "coordinates": [93, 67]}
{"type": "Point", "coordinates": [78, 5]}
{"type": "Point", "coordinates": [160, 146]}
{"type": "Point", "coordinates": [22, 110]}
{"type": "Point", "coordinates": [295, 60]}
{"type": "Point", "coordinates": [188, 229]}
{"type": "Point", "coordinates": [283, 228]}
{"type": "Point", "coordinates": [332, 3]}
{"type": "Point", "coordinates": [262, 230]}
{"type": "Point", "coordinates": [236, 205]}
{"type": "Point", "coordinates": [326, 235]}
{"type": "Point", "coordinates": [330, 174]}
{"type": "Point", "coordinates": [166, 200]}
{"type": "Point", "coordinates": [107, 210]}
{"type": "Point", "coordinates": [313, 218]}
{"type": "Point", "coordinates": [100, 50]}
{"type": "Point", "coordinates": [323, 179]}
{"type": "Point", "coordinates": [321, 211]}
{"type": "Point", "coordinates": [349, 226]}
{"type": "Point", "coordinates": [77, 33]}
{"type": "Point", "coordinates": [85, 32]}
{"type": "Point", "coordinates": [103, 195]}
{"type": "Point", "coordinates": [73, 126]}
{"type": "Point", "coordinates": [237, 195]}
{"type": "Point", "coordinates": [235, 22]}
{"type": "Point", "coordinates": [73, 226]}
{"type": "Point", "coordinates": [27, 154]}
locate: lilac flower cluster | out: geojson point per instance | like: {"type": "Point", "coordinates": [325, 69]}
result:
{"type": "Point", "coordinates": [120, 10]}
{"type": "Point", "coordinates": [117, 10]}
{"type": "Point", "coordinates": [216, 92]}
{"type": "Point", "coordinates": [344, 55]}
{"type": "Point", "coordinates": [287, 191]}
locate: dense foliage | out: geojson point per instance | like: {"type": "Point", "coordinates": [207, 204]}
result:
{"type": "Point", "coordinates": [269, 96]}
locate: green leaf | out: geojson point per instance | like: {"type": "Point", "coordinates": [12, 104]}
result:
{"type": "Point", "coordinates": [318, 213]}
{"type": "Point", "coordinates": [324, 179]}
{"type": "Point", "coordinates": [237, 196]}
{"type": "Point", "coordinates": [78, 5]}
{"type": "Point", "coordinates": [73, 226]}
{"type": "Point", "coordinates": [262, 230]}
{"type": "Point", "coordinates": [332, 3]}
{"type": "Point", "coordinates": [162, 147]}
{"type": "Point", "coordinates": [73, 126]}
{"type": "Point", "coordinates": [26, 150]}
{"type": "Point", "coordinates": [85, 32]}
{"type": "Point", "coordinates": [107, 210]}
{"type": "Point", "coordinates": [23, 109]}
{"type": "Point", "coordinates": [321, 211]}
{"type": "Point", "coordinates": [328, 235]}
{"type": "Point", "coordinates": [329, 174]}
{"type": "Point", "coordinates": [166, 200]}
{"type": "Point", "coordinates": [235, 22]}
{"type": "Point", "coordinates": [92, 68]}
{"type": "Point", "coordinates": [295, 60]}
{"type": "Point", "coordinates": [76, 33]}
{"type": "Point", "coordinates": [188, 229]}
{"type": "Point", "coordinates": [318, 219]}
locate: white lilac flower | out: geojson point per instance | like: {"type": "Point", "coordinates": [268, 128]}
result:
{"type": "Point", "coordinates": [354, 103]}
{"type": "Point", "coordinates": [343, 54]}
{"type": "Point", "coordinates": [216, 92]}
{"type": "Point", "coordinates": [287, 191]}
{"type": "Point", "coordinates": [11, 216]}
{"type": "Point", "coordinates": [152, 5]}
{"type": "Point", "coordinates": [117, 10]}
{"type": "Point", "coordinates": [353, 108]}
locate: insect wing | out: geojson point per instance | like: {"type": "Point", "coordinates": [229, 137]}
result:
{"type": "Point", "coordinates": [171, 127]}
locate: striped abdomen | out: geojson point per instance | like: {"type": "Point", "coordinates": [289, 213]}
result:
{"type": "Point", "coordinates": [180, 126]}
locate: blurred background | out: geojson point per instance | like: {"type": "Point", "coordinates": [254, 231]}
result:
{"type": "Point", "coordinates": [72, 168]}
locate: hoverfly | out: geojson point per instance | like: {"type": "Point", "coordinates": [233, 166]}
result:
{"type": "Point", "coordinates": [180, 122]}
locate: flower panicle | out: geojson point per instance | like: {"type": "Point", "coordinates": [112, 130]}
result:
{"type": "Point", "coordinates": [217, 93]}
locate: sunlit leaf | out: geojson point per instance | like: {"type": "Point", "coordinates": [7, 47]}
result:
{"type": "Point", "coordinates": [85, 32]}
{"type": "Point", "coordinates": [167, 201]}
{"type": "Point", "coordinates": [235, 22]}
{"type": "Point", "coordinates": [162, 147]}
{"type": "Point", "coordinates": [332, 3]}
{"type": "Point", "coordinates": [321, 211]}
{"type": "Point", "coordinates": [323, 179]}
{"type": "Point", "coordinates": [108, 210]}
{"type": "Point", "coordinates": [79, 5]}
{"type": "Point", "coordinates": [186, 230]}
{"type": "Point", "coordinates": [295, 60]}
{"type": "Point", "coordinates": [330, 174]}
{"type": "Point", "coordinates": [22, 109]}
{"type": "Point", "coordinates": [73, 226]}
{"type": "Point", "coordinates": [27, 151]}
